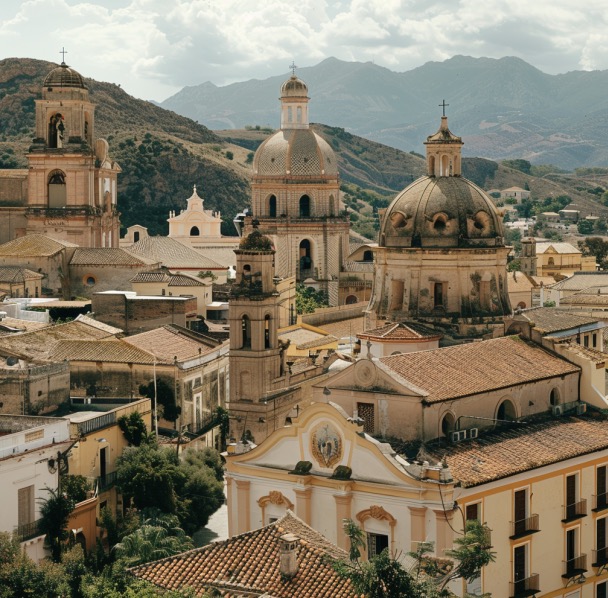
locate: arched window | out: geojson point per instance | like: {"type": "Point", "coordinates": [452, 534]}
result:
{"type": "Point", "coordinates": [267, 332]}
{"type": "Point", "coordinates": [299, 114]}
{"type": "Point", "coordinates": [272, 206]}
{"type": "Point", "coordinates": [57, 190]}
{"type": "Point", "coordinates": [554, 397]}
{"type": "Point", "coordinates": [506, 412]}
{"type": "Point", "coordinates": [551, 262]}
{"type": "Point", "coordinates": [305, 258]}
{"type": "Point", "coordinates": [304, 206]}
{"type": "Point", "coordinates": [194, 232]}
{"type": "Point", "coordinates": [246, 332]}
{"type": "Point", "coordinates": [136, 236]}
{"type": "Point", "coordinates": [447, 424]}
{"type": "Point", "coordinates": [368, 255]}
{"type": "Point", "coordinates": [351, 299]}
{"type": "Point", "coordinates": [438, 295]}
{"type": "Point", "coordinates": [289, 114]}
{"type": "Point", "coordinates": [332, 206]}
{"type": "Point", "coordinates": [56, 131]}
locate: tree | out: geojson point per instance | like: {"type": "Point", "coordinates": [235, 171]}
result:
{"type": "Point", "coordinates": [164, 397]}
{"type": "Point", "coordinates": [54, 515]}
{"type": "Point", "coordinates": [308, 299]}
{"type": "Point", "coordinates": [585, 227]}
{"type": "Point", "coordinates": [597, 247]}
{"type": "Point", "coordinates": [133, 428]}
{"type": "Point", "coordinates": [75, 486]}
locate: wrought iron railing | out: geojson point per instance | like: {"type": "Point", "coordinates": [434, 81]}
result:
{"type": "Point", "coordinates": [575, 566]}
{"type": "Point", "coordinates": [599, 557]}
{"type": "Point", "coordinates": [105, 482]}
{"type": "Point", "coordinates": [525, 587]}
{"type": "Point", "coordinates": [525, 526]}
{"type": "Point", "coordinates": [575, 510]}
{"type": "Point", "coordinates": [27, 531]}
{"type": "Point", "coordinates": [600, 501]}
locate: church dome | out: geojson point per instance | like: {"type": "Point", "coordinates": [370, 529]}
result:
{"type": "Point", "coordinates": [64, 76]}
{"type": "Point", "coordinates": [294, 87]}
{"type": "Point", "coordinates": [445, 211]}
{"type": "Point", "coordinates": [295, 152]}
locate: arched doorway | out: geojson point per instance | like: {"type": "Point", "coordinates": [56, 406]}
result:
{"type": "Point", "coordinates": [195, 232]}
{"type": "Point", "coordinates": [306, 264]}
{"type": "Point", "coordinates": [304, 206]}
{"type": "Point", "coordinates": [506, 412]}
{"type": "Point", "coordinates": [272, 206]}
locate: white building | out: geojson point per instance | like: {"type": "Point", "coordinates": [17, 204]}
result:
{"type": "Point", "coordinates": [32, 453]}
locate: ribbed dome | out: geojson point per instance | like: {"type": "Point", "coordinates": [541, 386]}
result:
{"type": "Point", "coordinates": [294, 87]}
{"type": "Point", "coordinates": [295, 152]}
{"type": "Point", "coordinates": [64, 76]}
{"type": "Point", "coordinates": [442, 212]}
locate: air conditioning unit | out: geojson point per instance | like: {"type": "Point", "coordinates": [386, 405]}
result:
{"type": "Point", "coordinates": [582, 408]}
{"type": "Point", "coordinates": [557, 410]}
{"type": "Point", "coordinates": [458, 436]}
{"type": "Point", "coordinates": [473, 433]}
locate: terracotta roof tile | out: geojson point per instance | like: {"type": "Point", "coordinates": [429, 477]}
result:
{"type": "Point", "coordinates": [108, 256]}
{"type": "Point", "coordinates": [585, 299]}
{"type": "Point", "coordinates": [33, 245]}
{"type": "Point", "coordinates": [502, 453]}
{"type": "Point", "coordinates": [248, 564]}
{"type": "Point", "coordinates": [557, 248]}
{"type": "Point", "coordinates": [550, 319]}
{"type": "Point", "coordinates": [108, 351]}
{"type": "Point", "coordinates": [17, 274]}
{"type": "Point", "coordinates": [474, 368]}
{"type": "Point", "coordinates": [400, 331]}
{"type": "Point", "coordinates": [582, 280]}
{"type": "Point", "coordinates": [172, 254]}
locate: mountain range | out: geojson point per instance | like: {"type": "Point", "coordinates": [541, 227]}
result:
{"type": "Point", "coordinates": [503, 108]}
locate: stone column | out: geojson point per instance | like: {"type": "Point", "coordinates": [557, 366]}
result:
{"type": "Point", "coordinates": [343, 511]}
{"type": "Point", "coordinates": [303, 504]}
{"type": "Point", "coordinates": [244, 508]}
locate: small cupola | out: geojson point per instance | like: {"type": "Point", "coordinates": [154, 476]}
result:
{"type": "Point", "coordinates": [288, 555]}
{"type": "Point", "coordinates": [294, 103]}
{"type": "Point", "coordinates": [443, 152]}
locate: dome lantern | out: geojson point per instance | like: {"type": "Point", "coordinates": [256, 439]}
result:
{"type": "Point", "coordinates": [294, 102]}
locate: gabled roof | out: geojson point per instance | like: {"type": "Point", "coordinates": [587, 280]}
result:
{"type": "Point", "coordinates": [585, 299]}
{"type": "Point", "coordinates": [107, 351]}
{"type": "Point", "coordinates": [304, 336]}
{"type": "Point", "coordinates": [16, 274]}
{"type": "Point", "coordinates": [33, 246]}
{"type": "Point", "coordinates": [475, 368]}
{"type": "Point", "coordinates": [582, 280]}
{"type": "Point", "coordinates": [172, 280]}
{"type": "Point", "coordinates": [552, 319]}
{"type": "Point", "coordinates": [172, 341]}
{"type": "Point", "coordinates": [248, 565]}
{"type": "Point", "coordinates": [37, 345]}
{"type": "Point", "coordinates": [515, 449]}
{"type": "Point", "coordinates": [172, 254]}
{"type": "Point", "coordinates": [400, 331]}
{"type": "Point", "coordinates": [108, 256]}
{"type": "Point", "coordinates": [556, 248]}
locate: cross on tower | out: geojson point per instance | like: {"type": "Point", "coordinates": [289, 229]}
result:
{"type": "Point", "coordinates": [443, 105]}
{"type": "Point", "coordinates": [293, 68]}
{"type": "Point", "coordinates": [63, 53]}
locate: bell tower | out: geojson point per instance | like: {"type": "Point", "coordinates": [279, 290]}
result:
{"type": "Point", "coordinates": [255, 354]}
{"type": "Point", "coordinates": [72, 181]}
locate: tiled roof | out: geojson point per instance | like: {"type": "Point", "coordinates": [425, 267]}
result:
{"type": "Point", "coordinates": [512, 450]}
{"type": "Point", "coordinates": [582, 280]}
{"type": "Point", "coordinates": [304, 338]}
{"type": "Point", "coordinates": [97, 324]}
{"type": "Point", "coordinates": [248, 565]}
{"type": "Point", "coordinates": [358, 267]}
{"type": "Point", "coordinates": [585, 299]}
{"type": "Point", "coordinates": [400, 332]}
{"type": "Point", "coordinates": [10, 325]}
{"type": "Point", "coordinates": [108, 256]}
{"type": "Point", "coordinates": [169, 342]}
{"type": "Point", "coordinates": [172, 254]}
{"type": "Point", "coordinates": [551, 319]}
{"type": "Point", "coordinates": [221, 254]}
{"type": "Point", "coordinates": [557, 247]}
{"type": "Point", "coordinates": [37, 345]}
{"type": "Point", "coordinates": [108, 351]}
{"type": "Point", "coordinates": [345, 328]}
{"type": "Point", "coordinates": [17, 274]}
{"type": "Point", "coordinates": [33, 246]}
{"type": "Point", "coordinates": [172, 280]}
{"type": "Point", "coordinates": [474, 368]}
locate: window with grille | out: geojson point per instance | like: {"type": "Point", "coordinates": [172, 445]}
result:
{"type": "Point", "coordinates": [376, 543]}
{"type": "Point", "coordinates": [366, 413]}
{"type": "Point", "coordinates": [25, 509]}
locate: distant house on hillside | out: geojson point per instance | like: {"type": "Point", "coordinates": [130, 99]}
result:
{"type": "Point", "coordinates": [515, 193]}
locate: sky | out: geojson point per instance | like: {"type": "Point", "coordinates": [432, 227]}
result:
{"type": "Point", "coordinates": [154, 48]}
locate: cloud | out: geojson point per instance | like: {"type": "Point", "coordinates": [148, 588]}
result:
{"type": "Point", "coordinates": [154, 48]}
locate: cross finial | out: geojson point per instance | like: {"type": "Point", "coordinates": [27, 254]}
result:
{"type": "Point", "coordinates": [443, 105]}
{"type": "Point", "coordinates": [293, 68]}
{"type": "Point", "coordinates": [63, 53]}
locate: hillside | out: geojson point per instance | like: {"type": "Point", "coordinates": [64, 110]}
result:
{"type": "Point", "coordinates": [502, 108]}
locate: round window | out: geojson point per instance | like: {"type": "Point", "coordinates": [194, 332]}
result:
{"type": "Point", "coordinates": [90, 281]}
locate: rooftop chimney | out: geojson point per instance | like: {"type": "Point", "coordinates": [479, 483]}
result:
{"type": "Point", "coordinates": [288, 556]}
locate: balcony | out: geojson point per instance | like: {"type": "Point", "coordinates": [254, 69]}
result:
{"type": "Point", "coordinates": [600, 557]}
{"type": "Point", "coordinates": [27, 531]}
{"type": "Point", "coordinates": [575, 567]}
{"type": "Point", "coordinates": [105, 482]}
{"type": "Point", "coordinates": [525, 587]}
{"type": "Point", "coordinates": [524, 527]}
{"type": "Point", "coordinates": [600, 502]}
{"type": "Point", "coordinates": [576, 510]}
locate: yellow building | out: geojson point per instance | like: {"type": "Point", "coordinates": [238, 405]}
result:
{"type": "Point", "coordinates": [561, 258]}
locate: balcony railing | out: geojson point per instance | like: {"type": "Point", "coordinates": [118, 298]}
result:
{"type": "Point", "coordinates": [600, 557]}
{"type": "Point", "coordinates": [105, 482]}
{"type": "Point", "coordinates": [27, 531]}
{"type": "Point", "coordinates": [576, 510]}
{"type": "Point", "coordinates": [97, 423]}
{"type": "Point", "coordinates": [600, 501]}
{"type": "Point", "coordinates": [523, 527]}
{"type": "Point", "coordinates": [575, 566]}
{"type": "Point", "coordinates": [525, 587]}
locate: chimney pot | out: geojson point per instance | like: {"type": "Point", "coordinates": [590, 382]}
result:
{"type": "Point", "coordinates": [288, 555]}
